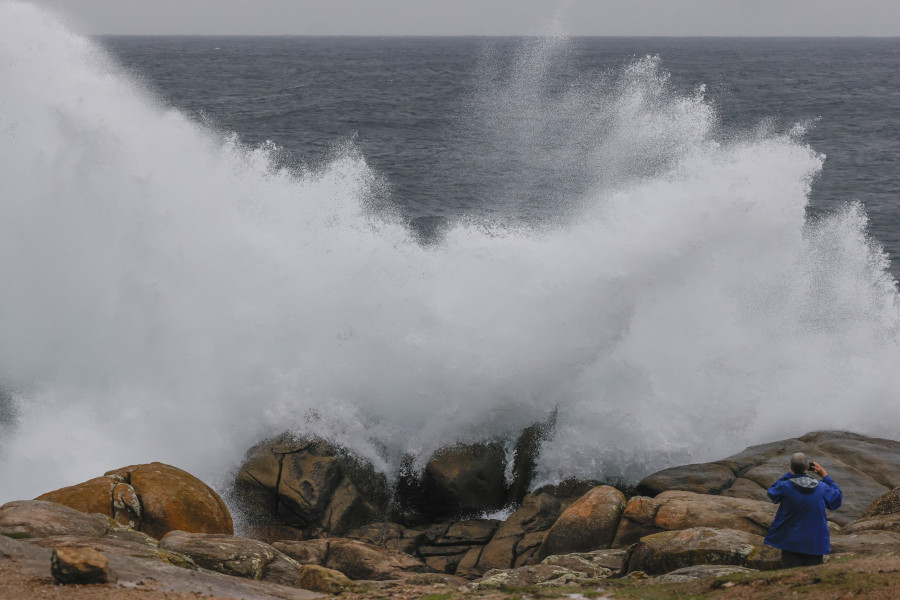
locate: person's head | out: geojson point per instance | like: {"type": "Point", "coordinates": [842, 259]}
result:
{"type": "Point", "coordinates": [799, 463]}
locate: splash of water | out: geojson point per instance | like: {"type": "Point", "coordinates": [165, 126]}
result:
{"type": "Point", "coordinates": [170, 294]}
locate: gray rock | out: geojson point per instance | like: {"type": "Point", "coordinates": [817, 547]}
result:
{"type": "Point", "coordinates": [235, 556]}
{"type": "Point", "coordinates": [865, 468]}
{"type": "Point", "coordinates": [700, 572]}
{"type": "Point", "coordinates": [40, 518]}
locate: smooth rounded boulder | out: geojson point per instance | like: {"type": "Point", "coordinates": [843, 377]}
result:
{"type": "Point", "coordinates": [588, 524]}
{"type": "Point", "coordinates": [153, 498]}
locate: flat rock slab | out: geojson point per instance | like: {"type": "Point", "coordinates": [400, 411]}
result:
{"type": "Point", "coordinates": [700, 572]}
{"type": "Point", "coordinates": [146, 574]}
{"type": "Point", "coordinates": [40, 518]}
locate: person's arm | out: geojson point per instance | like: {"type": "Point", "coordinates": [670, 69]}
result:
{"type": "Point", "coordinates": [775, 491]}
{"type": "Point", "coordinates": [833, 495]}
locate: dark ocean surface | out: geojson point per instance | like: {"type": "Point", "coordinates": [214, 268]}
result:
{"type": "Point", "coordinates": [416, 109]}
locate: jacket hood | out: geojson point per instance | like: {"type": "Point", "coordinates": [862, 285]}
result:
{"type": "Point", "coordinates": [804, 483]}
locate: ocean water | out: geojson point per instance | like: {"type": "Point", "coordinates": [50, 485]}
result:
{"type": "Point", "coordinates": [671, 248]}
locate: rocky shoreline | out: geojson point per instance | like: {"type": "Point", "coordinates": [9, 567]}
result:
{"type": "Point", "coordinates": [319, 520]}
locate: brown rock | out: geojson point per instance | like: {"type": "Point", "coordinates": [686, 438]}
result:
{"type": "Point", "coordinates": [465, 479]}
{"type": "Point", "coordinates": [498, 554]}
{"type": "Point", "coordinates": [675, 510]}
{"type": "Point", "coordinates": [447, 563]}
{"type": "Point", "coordinates": [528, 549]}
{"type": "Point", "coordinates": [683, 510]}
{"type": "Point", "coordinates": [588, 524]}
{"type": "Point", "coordinates": [173, 499]}
{"type": "Point", "coordinates": [537, 514]}
{"type": "Point", "coordinates": [357, 560]}
{"type": "Point", "coordinates": [236, 556]}
{"type": "Point", "coordinates": [388, 535]}
{"type": "Point", "coordinates": [887, 504]}
{"type": "Point", "coordinates": [321, 579]}
{"type": "Point", "coordinates": [154, 498]}
{"type": "Point", "coordinates": [471, 532]}
{"type": "Point", "coordinates": [305, 552]}
{"type": "Point", "coordinates": [41, 518]}
{"type": "Point", "coordinates": [80, 565]}
{"type": "Point", "coordinates": [92, 496]}
{"type": "Point", "coordinates": [468, 565]}
{"type": "Point", "coordinates": [664, 552]}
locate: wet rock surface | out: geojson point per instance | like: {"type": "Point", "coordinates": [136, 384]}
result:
{"type": "Point", "coordinates": [465, 479]}
{"type": "Point", "coordinates": [307, 485]}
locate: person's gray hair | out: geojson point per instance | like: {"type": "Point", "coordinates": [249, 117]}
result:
{"type": "Point", "coordinates": [799, 463]}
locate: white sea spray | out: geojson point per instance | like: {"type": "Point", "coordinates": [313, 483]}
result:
{"type": "Point", "coordinates": [169, 294]}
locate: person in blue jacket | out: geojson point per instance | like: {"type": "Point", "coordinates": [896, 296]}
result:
{"type": "Point", "coordinates": [800, 529]}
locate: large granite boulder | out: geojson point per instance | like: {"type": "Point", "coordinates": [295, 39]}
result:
{"type": "Point", "coordinates": [464, 479]}
{"type": "Point", "coordinates": [588, 524]}
{"type": "Point", "coordinates": [670, 550]}
{"type": "Point", "coordinates": [517, 540]}
{"type": "Point", "coordinates": [865, 468]}
{"type": "Point", "coordinates": [308, 487]}
{"type": "Point", "coordinates": [675, 510]}
{"type": "Point", "coordinates": [153, 498]}
{"type": "Point", "coordinates": [354, 559]}
{"type": "Point", "coordinates": [235, 556]}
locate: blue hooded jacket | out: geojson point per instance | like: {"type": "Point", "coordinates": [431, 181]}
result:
{"type": "Point", "coordinates": [800, 525]}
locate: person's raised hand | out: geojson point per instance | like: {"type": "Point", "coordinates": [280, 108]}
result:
{"type": "Point", "coordinates": [818, 470]}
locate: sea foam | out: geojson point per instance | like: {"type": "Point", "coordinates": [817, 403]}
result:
{"type": "Point", "coordinates": [171, 294]}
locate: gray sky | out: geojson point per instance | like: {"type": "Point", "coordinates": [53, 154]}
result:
{"type": "Point", "coordinates": [485, 17]}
